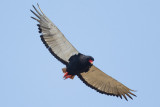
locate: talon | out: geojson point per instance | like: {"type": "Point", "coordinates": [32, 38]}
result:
{"type": "Point", "coordinates": [66, 76]}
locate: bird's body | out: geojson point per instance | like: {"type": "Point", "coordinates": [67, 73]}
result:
{"type": "Point", "coordinates": [78, 63]}
{"type": "Point", "coordinates": [75, 62]}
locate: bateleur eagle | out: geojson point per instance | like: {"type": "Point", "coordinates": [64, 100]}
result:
{"type": "Point", "coordinates": [77, 63]}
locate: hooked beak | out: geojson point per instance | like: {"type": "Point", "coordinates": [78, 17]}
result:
{"type": "Point", "coordinates": [91, 61]}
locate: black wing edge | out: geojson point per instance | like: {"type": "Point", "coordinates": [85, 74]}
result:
{"type": "Point", "coordinates": [102, 92]}
{"type": "Point", "coordinates": [41, 36]}
{"type": "Point", "coordinates": [52, 52]}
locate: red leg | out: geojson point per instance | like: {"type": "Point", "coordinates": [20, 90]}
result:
{"type": "Point", "coordinates": [66, 76]}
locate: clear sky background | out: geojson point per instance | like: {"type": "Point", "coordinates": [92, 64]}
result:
{"type": "Point", "coordinates": [122, 35]}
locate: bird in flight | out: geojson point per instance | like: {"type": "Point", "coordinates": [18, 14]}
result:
{"type": "Point", "coordinates": [77, 64]}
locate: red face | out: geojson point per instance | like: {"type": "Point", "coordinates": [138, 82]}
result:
{"type": "Point", "coordinates": [91, 61]}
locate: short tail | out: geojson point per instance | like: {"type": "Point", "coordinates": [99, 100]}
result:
{"type": "Point", "coordinates": [64, 70]}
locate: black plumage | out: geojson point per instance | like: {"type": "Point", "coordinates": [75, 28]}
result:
{"type": "Point", "coordinates": [79, 63]}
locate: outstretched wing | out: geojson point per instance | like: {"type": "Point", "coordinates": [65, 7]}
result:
{"type": "Point", "coordinates": [52, 37]}
{"type": "Point", "coordinates": [103, 83]}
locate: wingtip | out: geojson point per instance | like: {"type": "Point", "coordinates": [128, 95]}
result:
{"type": "Point", "coordinates": [132, 93]}
{"type": "Point", "coordinates": [33, 18]}
{"type": "Point", "coordinates": [33, 5]}
{"type": "Point", "coordinates": [37, 4]}
{"type": "Point", "coordinates": [31, 11]}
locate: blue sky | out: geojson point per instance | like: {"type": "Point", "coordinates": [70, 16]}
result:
{"type": "Point", "coordinates": [122, 35]}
